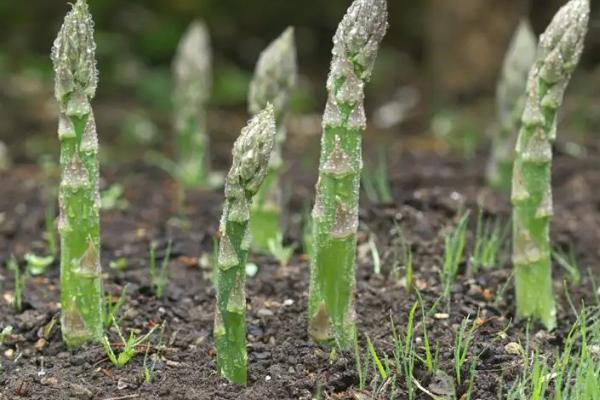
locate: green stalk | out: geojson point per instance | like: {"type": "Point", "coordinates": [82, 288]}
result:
{"type": "Point", "coordinates": [274, 79]}
{"type": "Point", "coordinates": [192, 74]}
{"type": "Point", "coordinates": [335, 213]}
{"type": "Point", "coordinates": [76, 78]}
{"type": "Point", "coordinates": [510, 101]}
{"type": "Point", "coordinates": [251, 153]}
{"type": "Point", "coordinates": [558, 54]}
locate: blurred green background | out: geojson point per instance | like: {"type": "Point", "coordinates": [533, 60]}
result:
{"type": "Point", "coordinates": [438, 55]}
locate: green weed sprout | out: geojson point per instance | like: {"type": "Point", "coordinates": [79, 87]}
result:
{"type": "Point", "coordinates": [568, 261]}
{"type": "Point", "coordinates": [274, 79]}
{"type": "Point", "coordinates": [159, 276]}
{"type": "Point", "coordinates": [335, 212]}
{"type": "Point", "coordinates": [76, 78]}
{"type": "Point", "coordinates": [376, 182]}
{"type": "Point", "coordinates": [279, 251]}
{"type": "Point", "coordinates": [20, 278]}
{"type": "Point", "coordinates": [559, 51]}
{"type": "Point", "coordinates": [149, 369]}
{"type": "Point", "coordinates": [112, 308]}
{"type": "Point", "coordinates": [251, 153]}
{"type": "Point", "coordinates": [38, 265]}
{"type": "Point", "coordinates": [462, 343]}
{"type": "Point", "coordinates": [192, 85]}
{"type": "Point", "coordinates": [454, 246]}
{"type": "Point", "coordinates": [130, 346]}
{"type": "Point", "coordinates": [489, 241]}
{"type": "Point", "coordinates": [112, 198]}
{"type": "Point", "coordinates": [510, 101]}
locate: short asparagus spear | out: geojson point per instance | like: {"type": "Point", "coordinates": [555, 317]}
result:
{"type": "Point", "coordinates": [510, 101]}
{"type": "Point", "coordinates": [274, 78]}
{"type": "Point", "coordinates": [251, 153]}
{"type": "Point", "coordinates": [558, 54]}
{"type": "Point", "coordinates": [192, 75]}
{"type": "Point", "coordinates": [335, 212]}
{"type": "Point", "coordinates": [76, 77]}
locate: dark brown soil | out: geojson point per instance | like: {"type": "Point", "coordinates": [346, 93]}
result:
{"type": "Point", "coordinates": [429, 188]}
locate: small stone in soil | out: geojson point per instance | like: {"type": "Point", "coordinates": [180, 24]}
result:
{"type": "Point", "coordinates": [513, 348]}
{"type": "Point", "coordinates": [49, 380]}
{"type": "Point", "coordinates": [263, 312]}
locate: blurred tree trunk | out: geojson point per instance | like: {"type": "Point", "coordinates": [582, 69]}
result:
{"type": "Point", "coordinates": [466, 43]}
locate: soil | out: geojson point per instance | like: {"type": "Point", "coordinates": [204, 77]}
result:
{"type": "Point", "coordinates": [430, 189]}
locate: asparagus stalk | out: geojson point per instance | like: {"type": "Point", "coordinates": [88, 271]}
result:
{"type": "Point", "coordinates": [76, 78]}
{"type": "Point", "coordinates": [192, 74]}
{"type": "Point", "coordinates": [274, 79]}
{"type": "Point", "coordinates": [251, 153]}
{"type": "Point", "coordinates": [558, 54]}
{"type": "Point", "coordinates": [335, 212]}
{"type": "Point", "coordinates": [510, 101]}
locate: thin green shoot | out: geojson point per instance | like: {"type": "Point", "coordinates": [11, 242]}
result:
{"type": "Point", "coordinates": [568, 261]}
{"type": "Point", "coordinates": [403, 259]}
{"type": "Point", "coordinates": [362, 372]}
{"type": "Point", "coordinates": [50, 229]}
{"type": "Point", "coordinates": [159, 277]}
{"type": "Point", "coordinates": [129, 346]}
{"type": "Point", "coordinates": [376, 182]}
{"type": "Point", "coordinates": [307, 233]}
{"type": "Point", "coordinates": [410, 328]}
{"type": "Point", "coordinates": [281, 253]}
{"type": "Point", "coordinates": [318, 392]}
{"type": "Point", "coordinates": [149, 369]}
{"type": "Point", "coordinates": [20, 278]}
{"type": "Point", "coordinates": [214, 261]}
{"type": "Point", "coordinates": [569, 300]}
{"type": "Point", "coordinates": [51, 176]}
{"type": "Point", "coordinates": [490, 238]}
{"type": "Point", "coordinates": [538, 377]}
{"type": "Point", "coordinates": [454, 245]}
{"type": "Point", "coordinates": [502, 291]}
{"type": "Point", "coordinates": [472, 370]}
{"type": "Point", "coordinates": [37, 265]}
{"type": "Point", "coordinates": [408, 267]}
{"type": "Point", "coordinates": [375, 255]}
{"type": "Point", "coordinates": [404, 359]}
{"type": "Point", "coordinates": [332, 355]}
{"type": "Point", "coordinates": [376, 361]}
{"type": "Point", "coordinates": [594, 287]}
{"type": "Point", "coordinates": [462, 344]}
{"type": "Point", "coordinates": [430, 361]}
{"type": "Point", "coordinates": [112, 308]}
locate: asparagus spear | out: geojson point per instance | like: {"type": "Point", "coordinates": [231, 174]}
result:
{"type": "Point", "coordinates": [274, 79]}
{"type": "Point", "coordinates": [251, 153]}
{"type": "Point", "coordinates": [76, 78]}
{"type": "Point", "coordinates": [193, 75]}
{"type": "Point", "coordinates": [510, 101]}
{"type": "Point", "coordinates": [335, 212]}
{"type": "Point", "coordinates": [559, 51]}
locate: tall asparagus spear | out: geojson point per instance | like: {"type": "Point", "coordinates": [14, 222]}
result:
{"type": "Point", "coordinates": [510, 101]}
{"type": "Point", "coordinates": [76, 78]}
{"type": "Point", "coordinates": [251, 153]}
{"type": "Point", "coordinates": [335, 213]}
{"type": "Point", "coordinates": [193, 77]}
{"type": "Point", "coordinates": [274, 79]}
{"type": "Point", "coordinates": [558, 54]}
